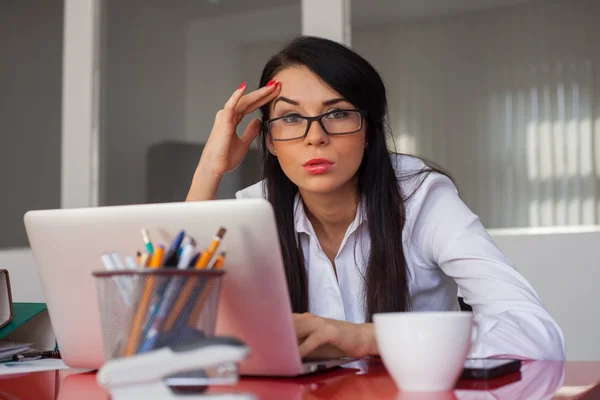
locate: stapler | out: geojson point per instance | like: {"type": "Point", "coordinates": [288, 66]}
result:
{"type": "Point", "coordinates": [162, 373]}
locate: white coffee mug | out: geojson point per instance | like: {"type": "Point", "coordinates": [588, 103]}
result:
{"type": "Point", "coordinates": [424, 351]}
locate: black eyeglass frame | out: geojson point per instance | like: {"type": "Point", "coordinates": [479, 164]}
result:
{"type": "Point", "coordinates": [310, 120]}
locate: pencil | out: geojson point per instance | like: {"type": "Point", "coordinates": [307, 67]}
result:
{"type": "Point", "coordinates": [144, 259]}
{"type": "Point", "coordinates": [189, 285]}
{"type": "Point", "coordinates": [195, 314]}
{"type": "Point", "coordinates": [218, 262]}
{"type": "Point", "coordinates": [142, 310]}
{"type": "Point", "coordinates": [157, 258]}
{"type": "Point", "coordinates": [208, 254]}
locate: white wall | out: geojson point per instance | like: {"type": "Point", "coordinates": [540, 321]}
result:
{"type": "Point", "coordinates": [507, 100]}
{"type": "Point", "coordinates": [144, 89]}
{"type": "Point", "coordinates": [562, 265]}
{"type": "Point", "coordinates": [24, 279]}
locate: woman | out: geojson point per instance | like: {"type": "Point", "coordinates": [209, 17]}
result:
{"type": "Point", "coordinates": [363, 230]}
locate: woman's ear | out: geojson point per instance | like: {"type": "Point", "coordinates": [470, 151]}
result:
{"type": "Point", "coordinates": [270, 145]}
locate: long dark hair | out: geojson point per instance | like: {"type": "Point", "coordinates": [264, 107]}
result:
{"type": "Point", "coordinates": [386, 279]}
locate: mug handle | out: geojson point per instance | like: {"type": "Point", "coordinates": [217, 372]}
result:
{"type": "Point", "coordinates": [475, 330]}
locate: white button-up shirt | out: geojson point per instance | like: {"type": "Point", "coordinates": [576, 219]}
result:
{"type": "Point", "coordinates": [446, 248]}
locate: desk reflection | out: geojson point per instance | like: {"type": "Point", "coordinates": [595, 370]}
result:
{"type": "Point", "coordinates": [368, 380]}
{"type": "Point", "coordinates": [81, 386]}
{"type": "Point", "coordinates": [361, 380]}
{"type": "Point", "coordinates": [39, 385]}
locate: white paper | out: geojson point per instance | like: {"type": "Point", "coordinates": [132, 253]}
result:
{"type": "Point", "coordinates": [7, 349]}
{"type": "Point", "coordinates": [23, 367]}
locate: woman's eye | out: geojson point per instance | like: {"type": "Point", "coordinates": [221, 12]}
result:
{"type": "Point", "coordinates": [338, 115]}
{"type": "Point", "coordinates": [291, 119]}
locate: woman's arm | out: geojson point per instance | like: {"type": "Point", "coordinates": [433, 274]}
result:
{"type": "Point", "coordinates": [204, 185]}
{"type": "Point", "coordinates": [224, 150]}
{"type": "Point", "coordinates": [511, 318]}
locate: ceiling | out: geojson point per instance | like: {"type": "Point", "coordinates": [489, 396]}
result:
{"type": "Point", "coordinates": [363, 11]}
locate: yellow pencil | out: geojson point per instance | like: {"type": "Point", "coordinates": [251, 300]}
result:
{"type": "Point", "coordinates": [195, 314]}
{"type": "Point", "coordinates": [140, 315]}
{"type": "Point", "coordinates": [208, 254]}
{"type": "Point", "coordinates": [189, 285]}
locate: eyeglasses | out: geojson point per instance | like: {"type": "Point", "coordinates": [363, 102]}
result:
{"type": "Point", "coordinates": [295, 126]}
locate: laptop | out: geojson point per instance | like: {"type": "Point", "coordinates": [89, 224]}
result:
{"type": "Point", "coordinates": [254, 304]}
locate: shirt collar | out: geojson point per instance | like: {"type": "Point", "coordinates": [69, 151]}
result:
{"type": "Point", "coordinates": [302, 224]}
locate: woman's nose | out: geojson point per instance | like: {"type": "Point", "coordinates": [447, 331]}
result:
{"type": "Point", "coordinates": [316, 135]}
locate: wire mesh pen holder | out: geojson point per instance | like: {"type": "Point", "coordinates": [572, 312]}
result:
{"type": "Point", "coordinates": [148, 309]}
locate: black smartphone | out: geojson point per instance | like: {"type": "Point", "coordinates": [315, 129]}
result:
{"type": "Point", "coordinates": [488, 368]}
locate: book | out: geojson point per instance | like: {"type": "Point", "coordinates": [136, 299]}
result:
{"type": "Point", "coordinates": [30, 324]}
{"type": "Point", "coordinates": [23, 326]}
{"type": "Point", "coordinates": [6, 304]}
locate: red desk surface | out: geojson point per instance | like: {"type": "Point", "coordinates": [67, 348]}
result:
{"type": "Point", "coordinates": [366, 379]}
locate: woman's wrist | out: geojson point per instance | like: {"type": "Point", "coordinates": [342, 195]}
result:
{"type": "Point", "coordinates": [370, 339]}
{"type": "Point", "coordinates": [205, 184]}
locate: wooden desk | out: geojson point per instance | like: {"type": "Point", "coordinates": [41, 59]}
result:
{"type": "Point", "coordinates": [361, 380]}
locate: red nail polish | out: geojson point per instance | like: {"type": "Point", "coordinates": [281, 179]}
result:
{"type": "Point", "coordinates": [278, 84]}
{"type": "Point", "coordinates": [242, 85]}
{"type": "Point", "coordinates": [271, 83]}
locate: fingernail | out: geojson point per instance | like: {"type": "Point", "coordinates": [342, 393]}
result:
{"type": "Point", "coordinates": [271, 83]}
{"type": "Point", "coordinates": [242, 85]}
{"type": "Point", "coordinates": [278, 84]}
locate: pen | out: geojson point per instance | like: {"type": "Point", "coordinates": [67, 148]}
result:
{"type": "Point", "coordinates": [147, 242]}
{"type": "Point", "coordinates": [117, 261]}
{"type": "Point", "coordinates": [194, 260]}
{"type": "Point", "coordinates": [142, 310]}
{"type": "Point", "coordinates": [166, 299]}
{"type": "Point", "coordinates": [124, 286]}
{"type": "Point", "coordinates": [144, 259]}
{"type": "Point", "coordinates": [205, 291]}
{"type": "Point", "coordinates": [186, 256]}
{"type": "Point", "coordinates": [36, 355]}
{"type": "Point", "coordinates": [186, 240]}
{"type": "Point", "coordinates": [130, 263]}
{"type": "Point", "coordinates": [107, 260]}
{"type": "Point", "coordinates": [172, 255]}
{"type": "Point", "coordinates": [189, 285]}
